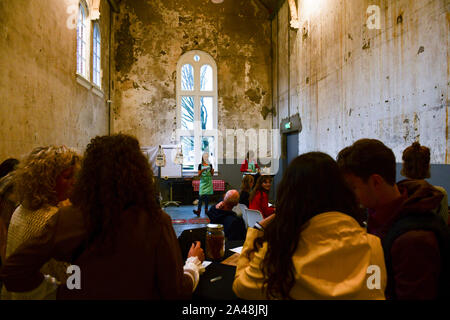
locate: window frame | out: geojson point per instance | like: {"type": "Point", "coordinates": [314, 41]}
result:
{"type": "Point", "coordinates": [198, 132]}
{"type": "Point", "coordinates": [96, 54]}
{"type": "Point", "coordinates": [83, 55]}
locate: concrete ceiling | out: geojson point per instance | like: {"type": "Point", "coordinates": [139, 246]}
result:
{"type": "Point", "coordinates": [272, 6]}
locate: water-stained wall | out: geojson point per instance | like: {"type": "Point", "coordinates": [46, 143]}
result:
{"type": "Point", "coordinates": [349, 80]}
{"type": "Point", "coordinates": [41, 102]}
{"type": "Point", "coordinates": [150, 37]}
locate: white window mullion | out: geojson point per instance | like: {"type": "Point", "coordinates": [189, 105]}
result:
{"type": "Point", "coordinates": [197, 125]}
{"type": "Point", "coordinates": [184, 133]}
{"type": "Point", "coordinates": [87, 51]}
{"type": "Point", "coordinates": [198, 149]}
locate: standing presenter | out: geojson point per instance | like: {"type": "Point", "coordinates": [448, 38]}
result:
{"type": "Point", "coordinates": [205, 172]}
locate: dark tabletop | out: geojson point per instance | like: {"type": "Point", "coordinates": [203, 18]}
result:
{"type": "Point", "coordinates": [221, 289]}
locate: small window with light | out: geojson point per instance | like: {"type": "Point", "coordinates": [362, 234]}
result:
{"type": "Point", "coordinates": [83, 41]}
{"type": "Point", "coordinates": [96, 56]}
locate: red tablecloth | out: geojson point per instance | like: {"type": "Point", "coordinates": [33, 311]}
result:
{"type": "Point", "coordinates": [218, 185]}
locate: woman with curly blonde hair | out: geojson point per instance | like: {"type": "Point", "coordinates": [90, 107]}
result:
{"type": "Point", "coordinates": [42, 182]}
{"type": "Point", "coordinates": [115, 232]}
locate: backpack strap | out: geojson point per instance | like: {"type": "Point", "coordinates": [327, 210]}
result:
{"type": "Point", "coordinates": [428, 222]}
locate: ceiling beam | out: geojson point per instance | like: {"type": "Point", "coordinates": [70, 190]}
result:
{"type": "Point", "coordinates": [114, 5]}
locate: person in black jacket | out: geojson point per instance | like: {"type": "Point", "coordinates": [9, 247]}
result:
{"type": "Point", "coordinates": [222, 213]}
{"type": "Point", "coordinates": [7, 166]}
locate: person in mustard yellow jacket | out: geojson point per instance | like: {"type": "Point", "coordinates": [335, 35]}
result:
{"type": "Point", "coordinates": [313, 247]}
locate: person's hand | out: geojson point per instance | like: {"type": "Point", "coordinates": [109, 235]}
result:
{"type": "Point", "coordinates": [64, 203]}
{"type": "Point", "coordinates": [264, 223]}
{"type": "Point", "coordinates": [219, 205]}
{"type": "Point", "coordinates": [197, 251]}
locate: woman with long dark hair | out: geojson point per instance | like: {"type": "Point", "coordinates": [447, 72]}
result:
{"type": "Point", "coordinates": [115, 232]}
{"type": "Point", "coordinates": [312, 248]}
{"type": "Point", "coordinates": [246, 188]}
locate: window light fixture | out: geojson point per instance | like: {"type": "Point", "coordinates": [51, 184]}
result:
{"type": "Point", "coordinates": [295, 23]}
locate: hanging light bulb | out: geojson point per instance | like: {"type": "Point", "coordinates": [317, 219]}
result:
{"type": "Point", "coordinates": [216, 1]}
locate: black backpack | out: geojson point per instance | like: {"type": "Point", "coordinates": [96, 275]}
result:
{"type": "Point", "coordinates": [428, 222]}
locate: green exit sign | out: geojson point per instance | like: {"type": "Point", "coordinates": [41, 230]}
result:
{"type": "Point", "coordinates": [287, 126]}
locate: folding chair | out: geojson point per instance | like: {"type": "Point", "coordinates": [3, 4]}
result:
{"type": "Point", "coordinates": [253, 216]}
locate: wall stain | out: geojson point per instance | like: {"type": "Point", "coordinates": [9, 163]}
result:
{"type": "Point", "coordinates": [157, 40]}
{"type": "Point", "coordinates": [366, 44]}
{"type": "Point", "coordinates": [254, 95]}
{"type": "Point", "coordinates": [124, 57]}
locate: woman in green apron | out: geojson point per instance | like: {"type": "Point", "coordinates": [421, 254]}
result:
{"type": "Point", "coordinates": [205, 172]}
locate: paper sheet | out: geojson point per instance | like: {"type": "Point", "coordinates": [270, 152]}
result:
{"type": "Point", "coordinates": [206, 263]}
{"type": "Point", "coordinates": [237, 250]}
{"type": "Point", "coordinates": [232, 260]}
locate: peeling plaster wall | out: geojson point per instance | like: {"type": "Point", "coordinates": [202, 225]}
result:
{"type": "Point", "coordinates": [41, 102]}
{"type": "Point", "coordinates": [150, 37]}
{"type": "Point", "coordinates": [350, 82]}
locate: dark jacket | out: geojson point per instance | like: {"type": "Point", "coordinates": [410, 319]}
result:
{"type": "Point", "coordinates": [233, 226]}
{"type": "Point", "coordinates": [8, 204]}
{"type": "Point", "coordinates": [145, 264]}
{"type": "Point", "coordinates": [415, 254]}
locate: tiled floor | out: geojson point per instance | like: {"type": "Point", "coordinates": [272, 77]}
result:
{"type": "Point", "coordinates": [184, 212]}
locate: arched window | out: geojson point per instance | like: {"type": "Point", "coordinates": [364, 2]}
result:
{"type": "Point", "coordinates": [197, 108]}
{"type": "Point", "coordinates": [83, 40]}
{"type": "Point", "coordinates": [96, 56]}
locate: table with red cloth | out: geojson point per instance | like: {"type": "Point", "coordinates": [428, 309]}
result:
{"type": "Point", "coordinates": [218, 185]}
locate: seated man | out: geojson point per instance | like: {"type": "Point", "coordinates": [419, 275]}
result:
{"type": "Point", "coordinates": [412, 253]}
{"type": "Point", "coordinates": [222, 213]}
